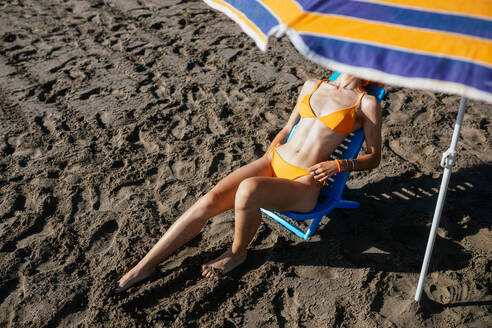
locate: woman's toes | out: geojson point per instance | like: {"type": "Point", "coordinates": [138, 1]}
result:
{"type": "Point", "coordinates": [119, 288]}
{"type": "Point", "coordinates": [211, 272]}
{"type": "Point", "coordinates": [206, 272]}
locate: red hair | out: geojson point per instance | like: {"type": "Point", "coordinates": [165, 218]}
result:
{"type": "Point", "coordinates": [365, 83]}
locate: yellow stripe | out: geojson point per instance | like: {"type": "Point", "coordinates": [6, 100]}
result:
{"type": "Point", "coordinates": [243, 18]}
{"type": "Point", "coordinates": [482, 8]}
{"type": "Point", "coordinates": [286, 11]}
{"type": "Point", "coordinates": [410, 38]}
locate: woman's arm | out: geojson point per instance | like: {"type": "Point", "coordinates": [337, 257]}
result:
{"type": "Point", "coordinates": [371, 123]}
{"type": "Point", "coordinates": [282, 135]}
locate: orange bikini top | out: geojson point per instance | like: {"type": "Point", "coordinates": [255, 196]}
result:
{"type": "Point", "coordinates": [341, 121]}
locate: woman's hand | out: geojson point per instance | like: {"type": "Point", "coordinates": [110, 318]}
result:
{"type": "Point", "coordinates": [323, 170]}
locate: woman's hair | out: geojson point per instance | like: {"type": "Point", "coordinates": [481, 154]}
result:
{"type": "Point", "coordinates": [365, 83]}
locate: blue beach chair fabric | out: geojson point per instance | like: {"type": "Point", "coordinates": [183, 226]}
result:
{"type": "Point", "coordinates": [330, 195]}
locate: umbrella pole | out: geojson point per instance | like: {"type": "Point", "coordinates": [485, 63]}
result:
{"type": "Point", "coordinates": [447, 162]}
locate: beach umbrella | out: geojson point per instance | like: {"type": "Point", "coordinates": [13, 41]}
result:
{"type": "Point", "coordinates": [438, 45]}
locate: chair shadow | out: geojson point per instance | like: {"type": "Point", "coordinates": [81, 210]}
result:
{"type": "Point", "coordinates": [389, 231]}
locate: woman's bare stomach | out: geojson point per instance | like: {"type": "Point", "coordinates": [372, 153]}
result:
{"type": "Point", "coordinates": [306, 154]}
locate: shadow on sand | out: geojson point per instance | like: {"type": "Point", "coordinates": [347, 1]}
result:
{"type": "Point", "coordinates": [389, 231]}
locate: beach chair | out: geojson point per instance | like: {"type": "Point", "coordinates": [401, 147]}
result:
{"type": "Point", "coordinates": [330, 196]}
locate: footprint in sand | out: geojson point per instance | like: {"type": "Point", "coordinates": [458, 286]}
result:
{"type": "Point", "coordinates": [149, 146]}
{"type": "Point", "coordinates": [102, 239]}
{"type": "Point", "coordinates": [70, 314]}
{"type": "Point", "coordinates": [10, 203]}
{"type": "Point", "coordinates": [407, 149]}
{"type": "Point", "coordinates": [448, 291]}
{"type": "Point", "coordinates": [7, 148]}
{"type": "Point", "coordinates": [10, 297]}
{"type": "Point", "coordinates": [48, 266]}
{"type": "Point", "coordinates": [87, 94]}
{"type": "Point", "coordinates": [196, 94]}
{"type": "Point", "coordinates": [314, 272]}
{"type": "Point", "coordinates": [183, 170]}
{"type": "Point", "coordinates": [217, 163]}
{"type": "Point", "coordinates": [287, 305]}
{"type": "Point", "coordinates": [180, 129]}
{"type": "Point", "coordinates": [477, 141]}
{"type": "Point", "coordinates": [216, 125]}
{"type": "Point", "coordinates": [39, 229]}
{"type": "Point", "coordinates": [8, 288]}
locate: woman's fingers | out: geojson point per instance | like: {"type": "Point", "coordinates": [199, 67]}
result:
{"type": "Point", "coordinates": [320, 176]}
{"type": "Point", "coordinates": [324, 175]}
{"type": "Point", "coordinates": [314, 168]}
{"type": "Point", "coordinates": [318, 169]}
{"type": "Point", "coordinates": [322, 171]}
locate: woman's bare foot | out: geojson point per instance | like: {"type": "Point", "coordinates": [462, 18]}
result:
{"type": "Point", "coordinates": [133, 276]}
{"type": "Point", "coordinates": [223, 264]}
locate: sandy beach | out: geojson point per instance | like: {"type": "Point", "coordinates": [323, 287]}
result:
{"type": "Point", "coordinates": [115, 116]}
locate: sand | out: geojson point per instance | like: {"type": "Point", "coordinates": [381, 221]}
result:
{"type": "Point", "coordinates": [115, 116]}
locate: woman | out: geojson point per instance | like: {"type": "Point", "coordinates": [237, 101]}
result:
{"type": "Point", "coordinates": [287, 178]}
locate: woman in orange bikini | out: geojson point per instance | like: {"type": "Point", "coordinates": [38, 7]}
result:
{"type": "Point", "coordinates": [287, 178]}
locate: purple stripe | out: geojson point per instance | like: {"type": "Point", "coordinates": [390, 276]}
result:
{"type": "Point", "coordinates": [408, 17]}
{"type": "Point", "coordinates": [255, 13]}
{"type": "Point", "coordinates": [402, 63]}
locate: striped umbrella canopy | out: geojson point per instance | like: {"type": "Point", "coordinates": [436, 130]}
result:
{"type": "Point", "coordinates": [438, 45]}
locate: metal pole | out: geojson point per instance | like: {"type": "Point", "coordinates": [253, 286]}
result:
{"type": "Point", "coordinates": [447, 162]}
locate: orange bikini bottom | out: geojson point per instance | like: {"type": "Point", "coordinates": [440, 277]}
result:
{"type": "Point", "coordinates": [283, 169]}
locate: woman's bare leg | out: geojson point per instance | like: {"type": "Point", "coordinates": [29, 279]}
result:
{"type": "Point", "coordinates": [190, 223]}
{"type": "Point", "coordinates": [255, 193]}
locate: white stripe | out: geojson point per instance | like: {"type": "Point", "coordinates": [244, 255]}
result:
{"type": "Point", "coordinates": [246, 29]}
{"type": "Point", "coordinates": [378, 76]}
{"type": "Point", "coordinates": [387, 46]}
{"type": "Point", "coordinates": [443, 12]}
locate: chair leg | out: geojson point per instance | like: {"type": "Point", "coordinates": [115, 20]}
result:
{"type": "Point", "coordinates": [342, 203]}
{"type": "Point", "coordinates": [313, 226]}
{"type": "Point", "coordinates": [288, 225]}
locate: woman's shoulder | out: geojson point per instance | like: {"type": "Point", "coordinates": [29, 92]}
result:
{"type": "Point", "coordinates": [370, 105]}
{"type": "Point", "coordinates": [369, 101]}
{"type": "Point", "coordinates": [309, 85]}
